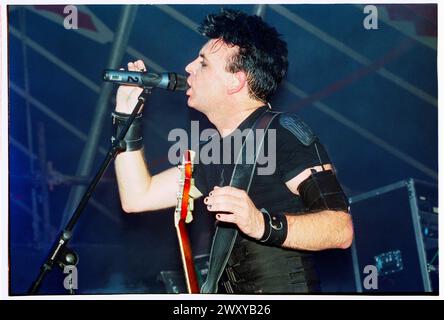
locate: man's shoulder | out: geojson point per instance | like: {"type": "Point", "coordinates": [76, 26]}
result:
{"type": "Point", "coordinates": [289, 125]}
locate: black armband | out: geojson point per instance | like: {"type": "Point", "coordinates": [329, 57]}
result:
{"type": "Point", "coordinates": [321, 191]}
{"type": "Point", "coordinates": [276, 228]}
{"type": "Point", "coordinates": [133, 139]}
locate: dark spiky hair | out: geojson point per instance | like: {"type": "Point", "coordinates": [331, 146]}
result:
{"type": "Point", "coordinates": [262, 54]}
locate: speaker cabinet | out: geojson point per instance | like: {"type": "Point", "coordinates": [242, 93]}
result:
{"type": "Point", "coordinates": [396, 238]}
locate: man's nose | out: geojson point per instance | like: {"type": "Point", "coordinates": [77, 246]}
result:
{"type": "Point", "coordinates": [188, 68]}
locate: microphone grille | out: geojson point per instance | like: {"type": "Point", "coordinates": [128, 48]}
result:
{"type": "Point", "coordinates": [177, 82]}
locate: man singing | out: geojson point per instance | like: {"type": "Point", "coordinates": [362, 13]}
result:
{"type": "Point", "coordinates": [287, 214]}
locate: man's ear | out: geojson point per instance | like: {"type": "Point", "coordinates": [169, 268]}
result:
{"type": "Point", "coordinates": [237, 82]}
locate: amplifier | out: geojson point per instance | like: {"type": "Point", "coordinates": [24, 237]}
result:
{"type": "Point", "coordinates": [395, 249]}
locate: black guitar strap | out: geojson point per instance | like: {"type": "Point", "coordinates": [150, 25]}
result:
{"type": "Point", "coordinates": [225, 237]}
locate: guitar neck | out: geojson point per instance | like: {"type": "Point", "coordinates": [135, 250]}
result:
{"type": "Point", "coordinates": [183, 212]}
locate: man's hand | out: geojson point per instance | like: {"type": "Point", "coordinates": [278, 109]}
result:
{"type": "Point", "coordinates": [235, 206]}
{"type": "Point", "coordinates": [127, 95]}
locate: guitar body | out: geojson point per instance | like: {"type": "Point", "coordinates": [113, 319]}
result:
{"type": "Point", "coordinates": [183, 215]}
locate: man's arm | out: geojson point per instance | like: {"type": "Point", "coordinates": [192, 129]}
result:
{"type": "Point", "coordinates": [314, 231]}
{"type": "Point", "coordinates": [318, 231]}
{"type": "Point", "coordinates": [321, 230]}
{"type": "Point", "coordinates": [139, 191]}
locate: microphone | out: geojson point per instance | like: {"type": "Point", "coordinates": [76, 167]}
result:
{"type": "Point", "coordinates": [166, 80]}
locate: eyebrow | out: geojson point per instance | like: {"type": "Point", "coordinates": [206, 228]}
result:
{"type": "Point", "coordinates": [203, 56]}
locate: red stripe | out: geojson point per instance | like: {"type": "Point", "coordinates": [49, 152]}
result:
{"type": "Point", "coordinates": [424, 16]}
{"type": "Point", "coordinates": [353, 77]}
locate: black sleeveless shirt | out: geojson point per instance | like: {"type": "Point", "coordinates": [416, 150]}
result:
{"type": "Point", "coordinates": [254, 267]}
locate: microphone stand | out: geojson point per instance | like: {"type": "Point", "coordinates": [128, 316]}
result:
{"type": "Point", "coordinates": [60, 253]}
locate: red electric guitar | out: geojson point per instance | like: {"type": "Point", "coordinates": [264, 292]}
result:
{"type": "Point", "coordinates": [183, 214]}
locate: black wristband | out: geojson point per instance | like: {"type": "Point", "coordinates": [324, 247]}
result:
{"type": "Point", "coordinates": [276, 228]}
{"type": "Point", "coordinates": [133, 139]}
